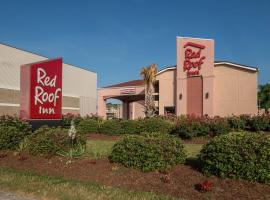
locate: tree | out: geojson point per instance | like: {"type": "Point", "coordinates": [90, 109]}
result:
{"type": "Point", "coordinates": [149, 76]}
{"type": "Point", "coordinates": [264, 96]}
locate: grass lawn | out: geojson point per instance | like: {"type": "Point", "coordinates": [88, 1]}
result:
{"type": "Point", "coordinates": [43, 187]}
{"type": "Point", "coordinates": [101, 148]}
{"type": "Point", "coordinates": [98, 148]}
{"type": "Point", "coordinates": [193, 149]}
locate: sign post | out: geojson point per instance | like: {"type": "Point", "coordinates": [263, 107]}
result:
{"type": "Point", "coordinates": [41, 90]}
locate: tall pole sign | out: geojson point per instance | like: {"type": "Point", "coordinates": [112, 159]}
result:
{"type": "Point", "coordinates": [195, 59]}
{"type": "Point", "coordinates": [41, 90]}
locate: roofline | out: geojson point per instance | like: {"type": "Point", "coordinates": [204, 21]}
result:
{"type": "Point", "coordinates": [237, 65]}
{"type": "Point", "coordinates": [166, 69]}
{"type": "Point", "coordinates": [194, 38]}
{"type": "Point", "coordinates": [44, 56]}
{"type": "Point", "coordinates": [130, 86]}
{"type": "Point", "coordinates": [218, 63]}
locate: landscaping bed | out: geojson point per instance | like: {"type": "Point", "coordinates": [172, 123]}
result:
{"type": "Point", "coordinates": [164, 157]}
{"type": "Point", "coordinates": [180, 181]}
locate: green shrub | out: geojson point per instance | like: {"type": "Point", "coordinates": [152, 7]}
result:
{"type": "Point", "coordinates": [239, 155]}
{"type": "Point", "coordinates": [236, 123]}
{"type": "Point", "coordinates": [130, 126]}
{"type": "Point", "coordinates": [66, 120]}
{"type": "Point", "coordinates": [88, 126]}
{"type": "Point", "coordinates": [148, 152]}
{"type": "Point", "coordinates": [259, 123]}
{"type": "Point", "coordinates": [12, 132]}
{"type": "Point", "coordinates": [50, 141]}
{"type": "Point", "coordinates": [190, 129]}
{"type": "Point", "coordinates": [22, 125]}
{"type": "Point", "coordinates": [110, 127]}
{"type": "Point", "coordinates": [219, 126]}
{"type": "Point", "coordinates": [155, 124]}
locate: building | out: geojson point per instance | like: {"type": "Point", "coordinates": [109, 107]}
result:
{"type": "Point", "coordinates": [195, 85]}
{"type": "Point", "coordinates": [79, 85]}
{"type": "Point", "coordinates": [113, 111]}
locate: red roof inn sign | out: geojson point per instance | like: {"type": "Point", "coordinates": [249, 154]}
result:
{"type": "Point", "coordinates": [193, 58]}
{"type": "Point", "coordinates": [41, 90]}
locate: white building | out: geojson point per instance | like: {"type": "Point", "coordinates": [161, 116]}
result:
{"type": "Point", "coordinates": [79, 85]}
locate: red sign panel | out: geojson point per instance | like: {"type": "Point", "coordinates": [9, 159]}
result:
{"type": "Point", "coordinates": [41, 90]}
{"type": "Point", "coordinates": [193, 59]}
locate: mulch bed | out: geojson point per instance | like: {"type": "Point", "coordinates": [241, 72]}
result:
{"type": "Point", "coordinates": [177, 182]}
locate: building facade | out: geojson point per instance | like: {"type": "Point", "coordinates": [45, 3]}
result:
{"type": "Point", "coordinates": [79, 85]}
{"type": "Point", "coordinates": [195, 85]}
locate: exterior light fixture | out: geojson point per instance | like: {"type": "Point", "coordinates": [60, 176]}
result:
{"type": "Point", "coordinates": [207, 95]}
{"type": "Point", "coordinates": [180, 96]}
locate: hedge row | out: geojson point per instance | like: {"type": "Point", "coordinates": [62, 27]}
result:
{"type": "Point", "coordinates": [118, 127]}
{"type": "Point", "coordinates": [184, 127]}
{"type": "Point", "coordinates": [190, 126]}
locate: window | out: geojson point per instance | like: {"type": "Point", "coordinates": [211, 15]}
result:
{"type": "Point", "coordinates": [156, 87]}
{"type": "Point", "coordinates": [169, 110]}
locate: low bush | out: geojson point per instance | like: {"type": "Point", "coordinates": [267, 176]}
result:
{"type": "Point", "coordinates": [238, 155]}
{"type": "Point", "coordinates": [88, 126]}
{"type": "Point", "coordinates": [50, 141]}
{"type": "Point", "coordinates": [110, 127]}
{"type": "Point", "coordinates": [259, 123]}
{"type": "Point", "coordinates": [187, 129]}
{"type": "Point", "coordinates": [67, 118]}
{"type": "Point", "coordinates": [236, 123]}
{"type": "Point", "coordinates": [130, 126]}
{"type": "Point", "coordinates": [155, 124]}
{"type": "Point", "coordinates": [148, 152]}
{"type": "Point", "coordinates": [12, 132]}
{"type": "Point", "coordinates": [218, 126]}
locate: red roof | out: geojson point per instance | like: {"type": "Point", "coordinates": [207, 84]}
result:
{"type": "Point", "coordinates": [128, 84]}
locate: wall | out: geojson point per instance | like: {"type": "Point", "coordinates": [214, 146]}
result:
{"type": "Point", "coordinates": [77, 83]}
{"type": "Point", "coordinates": [10, 103]}
{"type": "Point", "coordinates": [167, 89]}
{"type": "Point", "coordinates": [235, 91]}
{"type": "Point", "coordinates": [137, 109]}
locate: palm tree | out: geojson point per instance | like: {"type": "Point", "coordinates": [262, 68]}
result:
{"type": "Point", "coordinates": [149, 76]}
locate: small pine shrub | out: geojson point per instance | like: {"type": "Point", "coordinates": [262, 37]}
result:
{"type": "Point", "coordinates": [12, 132]}
{"type": "Point", "coordinates": [149, 151]}
{"type": "Point", "coordinates": [240, 155]}
{"type": "Point", "coordinates": [155, 124]}
{"type": "Point", "coordinates": [50, 141]}
{"type": "Point", "coordinates": [88, 126]}
{"type": "Point", "coordinates": [110, 127]}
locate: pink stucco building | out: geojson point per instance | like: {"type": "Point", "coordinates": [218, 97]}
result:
{"type": "Point", "coordinates": [196, 85]}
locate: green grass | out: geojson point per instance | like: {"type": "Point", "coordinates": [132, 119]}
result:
{"type": "Point", "coordinates": [100, 149]}
{"type": "Point", "coordinates": [193, 149]}
{"type": "Point", "coordinates": [44, 187]}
